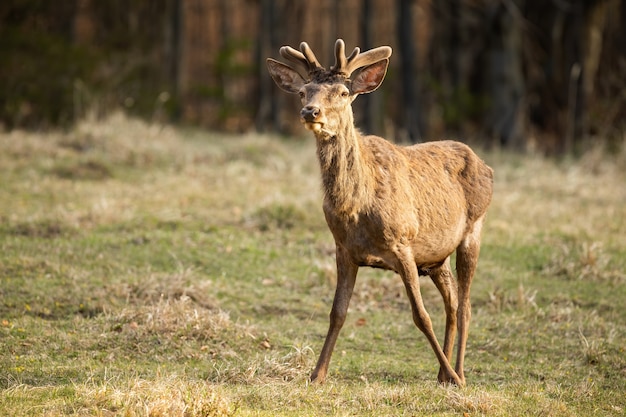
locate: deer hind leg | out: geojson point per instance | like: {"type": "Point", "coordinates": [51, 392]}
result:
{"type": "Point", "coordinates": [346, 277]}
{"type": "Point", "coordinates": [408, 272]}
{"type": "Point", "coordinates": [447, 286]}
{"type": "Point", "coordinates": [466, 261]}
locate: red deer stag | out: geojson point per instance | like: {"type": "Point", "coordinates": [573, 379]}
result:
{"type": "Point", "coordinates": [404, 209]}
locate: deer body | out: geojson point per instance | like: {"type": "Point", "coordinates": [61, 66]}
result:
{"type": "Point", "coordinates": [405, 209]}
{"type": "Point", "coordinates": [398, 206]}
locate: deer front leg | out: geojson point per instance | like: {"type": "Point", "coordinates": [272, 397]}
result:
{"type": "Point", "coordinates": [408, 272]}
{"type": "Point", "coordinates": [346, 277]}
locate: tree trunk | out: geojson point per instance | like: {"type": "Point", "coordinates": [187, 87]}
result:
{"type": "Point", "coordinates": [174, 55]}
{"type": "Point", "coordinates": [505, 83]}
{"type": "Point", "coordinates": [267, 103]}
{"type": "Point", "coordinates": [368, 109]}
{"type": "Point", "coordinates": [368, 106]}
{"type": "Point", "coordinates": [454, 55]}
{"type": "Point", "coordinates": [409, 108]}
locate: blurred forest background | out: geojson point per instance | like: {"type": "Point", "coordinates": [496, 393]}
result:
{"type": "Point", "coordinates": [547, 75]}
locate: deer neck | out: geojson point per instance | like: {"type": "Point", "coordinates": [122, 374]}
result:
{"type": "Point", "coordinates": [345, 175]}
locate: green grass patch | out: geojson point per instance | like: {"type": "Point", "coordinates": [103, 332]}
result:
{"type": "Point", "coordinates": [150, 271]}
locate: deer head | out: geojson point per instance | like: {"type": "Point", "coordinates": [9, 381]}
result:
{"type": "Point", "coordinates": [327, 95]}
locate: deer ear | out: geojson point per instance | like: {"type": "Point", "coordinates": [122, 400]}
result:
{"type": "Point", "coordinates": [369, 78]}
{"type": "Point", "coordinates": [284, 76]}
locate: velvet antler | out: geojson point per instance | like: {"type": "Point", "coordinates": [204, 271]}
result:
{"type": "Point", "coordinates": [307, 63]}
{"type": "Point", "coordinates": [356, 60]}
{"type": "Point", "coordinates": [305, 58]}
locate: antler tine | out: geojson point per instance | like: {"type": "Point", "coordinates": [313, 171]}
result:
{"type": "Point", "coordinates": [310, 57]}
{"type": "Point", "coordinates": [354, 53]}
{"type": "Point", "coordinates": [296, 57]}
{"type": "Point", "coordinates": [340, 56]}
{"type": "Point", "coordinates": [305, 58]}
{"type": "Point", "coordinates": [356, 61]}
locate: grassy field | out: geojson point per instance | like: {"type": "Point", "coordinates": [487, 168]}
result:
{"type": "Point", "coordinates": [149, 271]}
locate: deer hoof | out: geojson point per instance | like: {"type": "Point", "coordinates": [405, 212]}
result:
{"type": "Point", "coordinates": [317, 379]}
{"type": "Point", "coordinates": [445, 379]}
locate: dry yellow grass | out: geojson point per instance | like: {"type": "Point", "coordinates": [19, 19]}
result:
{"type": "Point", "coordinates": [148, 271]}
{"type": "Point", "coordinates": [163, 396]}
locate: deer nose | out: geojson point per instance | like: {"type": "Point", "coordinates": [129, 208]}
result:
{"type": "Point", "coordinates": [310, 113]}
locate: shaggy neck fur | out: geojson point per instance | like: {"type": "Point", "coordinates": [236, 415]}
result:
{"type": "Point", "coordinates": [345, 175]}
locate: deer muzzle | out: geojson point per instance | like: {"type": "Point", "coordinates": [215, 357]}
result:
{"type": "Point", "coordinates": [310, 114]}
{"type": "Point", "coordinates": [312, 118]}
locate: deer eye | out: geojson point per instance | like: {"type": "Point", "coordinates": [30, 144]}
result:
{"type": "Point", "coordinates": [344, 94]}
{"type": "Point", "coordinates": [301, 94]}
